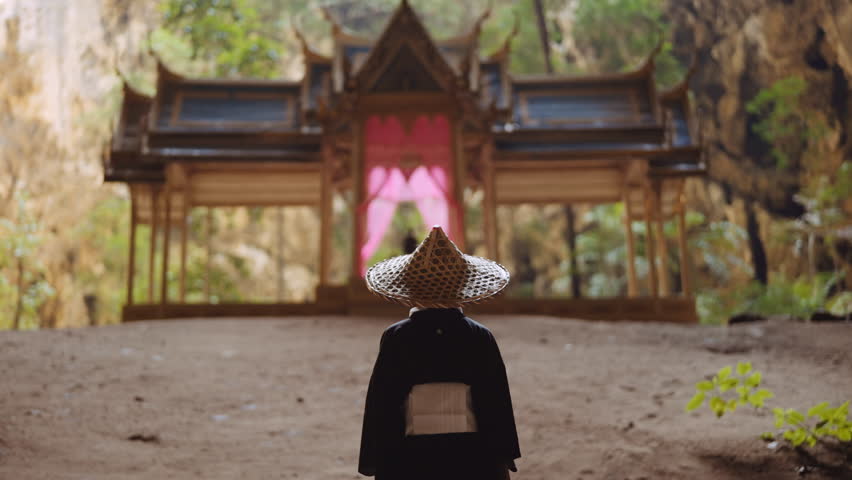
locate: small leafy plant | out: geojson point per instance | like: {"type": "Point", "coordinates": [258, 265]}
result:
{"type": "Point", "coordinates": [733, 387]}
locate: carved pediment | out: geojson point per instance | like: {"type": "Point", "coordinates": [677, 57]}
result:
{"type": "Point", "coordinates": [405, 58]}
{"type": "Point", "coordinates": [405, 73]}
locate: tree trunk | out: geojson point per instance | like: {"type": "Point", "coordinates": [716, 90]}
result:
{"type": "Point", "coordinates": [571, 234]}
{"type": "Point", "coordinates": [755, 244]}
{"type": "Point", "coordinates": [19, 302]}
{"type": "Point", "coordinates": [542, 33]}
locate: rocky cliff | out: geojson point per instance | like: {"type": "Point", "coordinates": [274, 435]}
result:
{"type": "Point", "coordinates": [75, 49]}
{"type": "Point", "coordinates": [743, 46]}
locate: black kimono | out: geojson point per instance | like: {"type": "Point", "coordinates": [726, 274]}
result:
{"type": "Point", "coordinates": [438, 345]}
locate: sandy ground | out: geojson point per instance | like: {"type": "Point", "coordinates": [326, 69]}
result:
{"type": "Point", "coordinates": [283, 398]}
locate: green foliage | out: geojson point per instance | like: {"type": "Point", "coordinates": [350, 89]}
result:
{"type": "Point", "coordinates": [799, 298]}
{"type": "Point", "coordinates": [824, 193]}
{"type": "Point", "coordinates": [602, 251]}
{"type": "Point", "coordinates": [840, 304]}
{"type": "Point", "coordinates": [105, 231]}
{"type": "Point", "coordinates": [784, 123]}
{"type": "Point", "coordinates": [821, 421]}
{"type": "Point", "coordinates": [620, 33]}
{"type": "Point", "coordinates": [229, 34]}
{"type": "Point", "coordinates": [730, 389]}
{"type": "Point", "coordinates": [23, 287]}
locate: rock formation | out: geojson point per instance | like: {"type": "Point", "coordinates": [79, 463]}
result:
{"type": "Point", "coordinates": [744, 46]}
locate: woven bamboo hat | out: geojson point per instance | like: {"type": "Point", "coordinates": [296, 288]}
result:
{"type": "Point", "coordinates": [436, 275]}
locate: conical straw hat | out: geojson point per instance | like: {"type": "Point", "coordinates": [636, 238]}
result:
{"type": "Point", "coordinates": [436, 275]}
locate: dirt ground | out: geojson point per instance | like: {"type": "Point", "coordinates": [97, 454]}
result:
{"type": "Point", "coordinates": [283, 398]}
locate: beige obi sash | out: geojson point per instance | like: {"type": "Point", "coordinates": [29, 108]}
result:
{"type": "Point", "coordinates": [435, 408]}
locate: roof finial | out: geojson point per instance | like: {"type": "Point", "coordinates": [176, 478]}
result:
{"type": "Point", "coordinates": [477, 25]}
{"type": "Point", "coordinates": [307, 52]}
{"type": "Point", "coordinates": [336, 28]}
{"type": "Point", "coordinates": [680, 89]}
{"type": "Point", "coordinates": [648, 64]}
{"type": "Point", "coordinates": [506, 48]}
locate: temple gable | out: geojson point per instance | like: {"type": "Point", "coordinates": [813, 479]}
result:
{"type": "Point", "coordinates": [405, 73]}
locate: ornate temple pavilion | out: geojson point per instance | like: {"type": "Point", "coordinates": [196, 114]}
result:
{"type": "Point", "coordinates": [406, 117]}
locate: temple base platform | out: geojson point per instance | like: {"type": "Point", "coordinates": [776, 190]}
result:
{"type": "Point", "coordinates": [358, 301]}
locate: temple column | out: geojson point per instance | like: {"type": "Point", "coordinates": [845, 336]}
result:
{"type": "Point", "coordinates": [209, 248]}
{"type": "Point", "coordinates": [632, 282]}
{"type": "Point", "coordinates": [460, 174]}
{"type": "Point", "coordinates": [489, 203]}
{"type": "Point", "coordinates": [184, 234]}
{"type": "Point", "coordinates": [686, 287]}
{"type": "Point", "coordinates": [649, 242]}
{"type": "Point", "coordinates": [326, 211]}
{"type": "Point", "coordinates": [131, 263]}
{"type": "Point", "coordinates": [662, 247]}
{"type": "Point", "coordinates": [167, 215]}
{"type": "Point", "coordinates": [357, 197]}
{"type": "Point", "coordinates": [279, 254]}
{"type": "Point", "coordinates": [152, 247]}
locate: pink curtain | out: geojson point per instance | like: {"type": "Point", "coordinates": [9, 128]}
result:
{"type": "Point", "coordinates": [413, 165]}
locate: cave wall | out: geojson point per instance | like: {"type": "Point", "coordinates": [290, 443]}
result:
{"type": "Point", "coordinates": [744, 46]}
{"type": "Point", "coordinates": [74, 47]}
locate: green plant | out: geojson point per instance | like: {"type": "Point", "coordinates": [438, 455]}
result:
{"type": "Point", "coordinates": [840, 304]}
{"type": "Point", "coordinates": [800, 298]}
{"type": "Point", "coordinates": [782, 122]}
{"type": "Point", "coordinates": [229, 35]}
{"type": "Point", "coordinates": [23, 287]}
{"type": "Point", "coordinates": [731, 388]}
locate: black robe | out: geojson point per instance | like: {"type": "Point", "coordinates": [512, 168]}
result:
{"type": "Point", "coordinates": [438, 345]}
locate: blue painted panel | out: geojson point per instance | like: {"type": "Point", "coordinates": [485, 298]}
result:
{"type": "Point", "coordinates": [350, 50]}
{"type": "Point", "coordinates": [217, 104]}
{"type": "Point", "coordinates": [575, 108]}
{"type": "Point", "coordinates": [568, 147]}
{"type": "Point", "coordinates": [681, 136]}
{"type": "Point", "coordinates": [200, 109]}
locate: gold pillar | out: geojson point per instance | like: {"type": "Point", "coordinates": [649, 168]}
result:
{"type": "Point", "coordinates": [686, 287]}
{"type": "Point", "coordinates": [167, 223]}
{"type": "Point", "coordinates": [131, 263]}
{"type": "Point", "coordinates": [326, 211]}
{"type": "Point", "coordinates": [184, 234]}
{"type": "Point", "coordinates": [662, 247]}
{"type": "Point", "coordinates": [649, 242]}
{"type": "Point", "coordinates": [460, 175]}
{"type": "Point", "coordinates": [632, 282]}
{"type": "Point", "coordinates": [357, 197]}
{"type": "Point", "coordinates": [489, 203]}
{"type": "Point", "coordinates": [207, 244]}
{"type": "Point", "coordinates": [152, 248]}
{"type": "Point", "coordinates": [279, 254]}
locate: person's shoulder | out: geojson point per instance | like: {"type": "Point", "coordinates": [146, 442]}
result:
{"type": "Point", "coordinates": [479, 328]}
{"type": "Point", "coordinates": [396, 327]}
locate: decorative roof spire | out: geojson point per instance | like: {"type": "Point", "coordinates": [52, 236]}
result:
{"type": "Point", "coordinates": [308, 52]}
{"type": "Point", "coordinates": [648, 64]}
{"type": "Point", "coordinates": [503, 52]}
